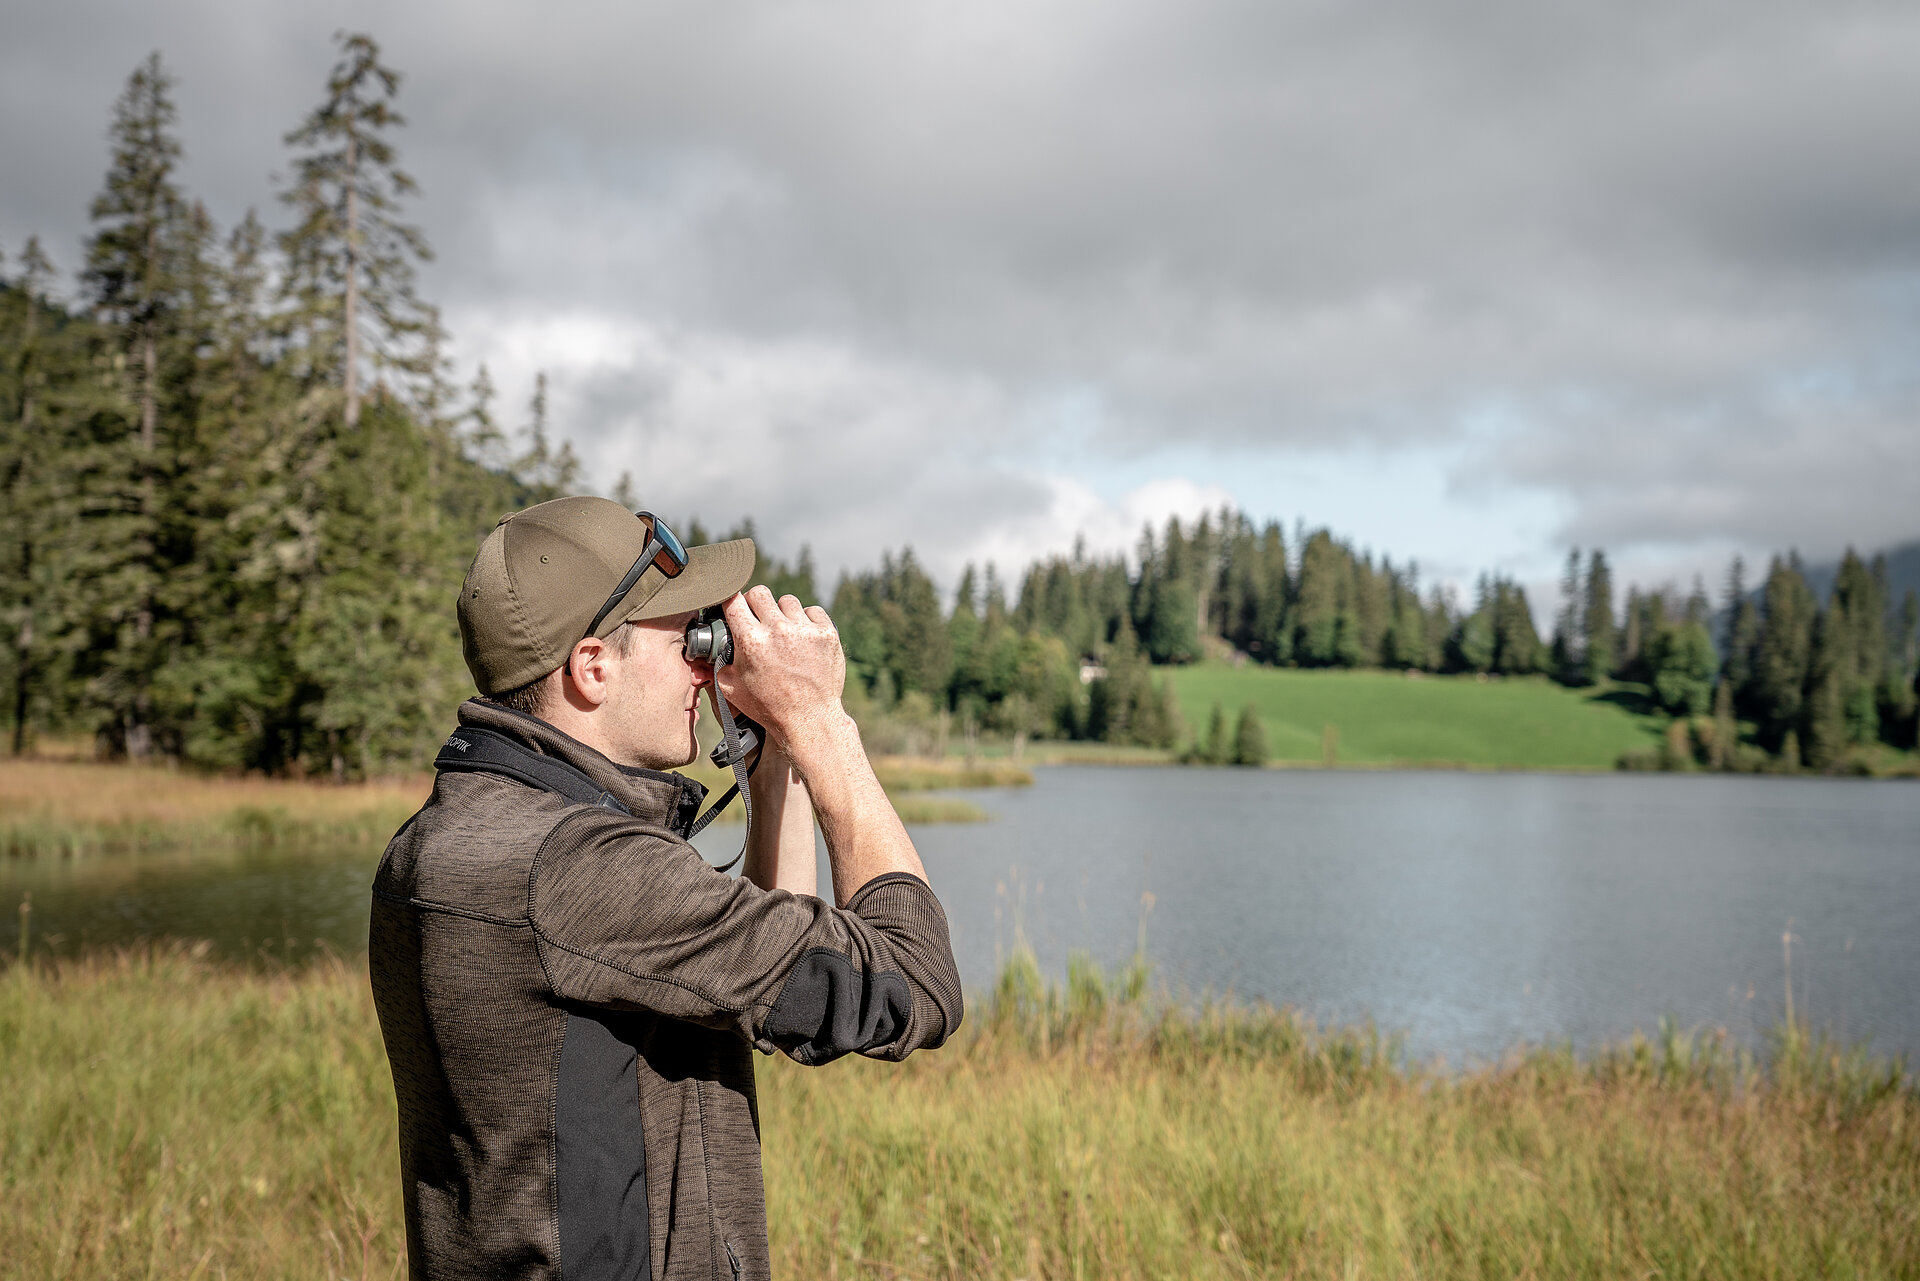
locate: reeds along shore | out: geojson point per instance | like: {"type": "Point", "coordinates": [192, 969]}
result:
{"type": "Point", "coordinates": [170, 1117]}
{"type": "Point", "coordinates": [65, 807]}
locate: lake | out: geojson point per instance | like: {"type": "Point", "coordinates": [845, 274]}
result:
{"type": "Point", "coordinates": [1471, 912]}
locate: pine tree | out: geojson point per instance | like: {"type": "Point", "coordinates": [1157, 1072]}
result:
{"type": "Point", "coordinates": [25, 464]}
{"type": "Point", "coordinates": [1565, 656]}
{"type": "Point", "coordinates": [1824, 732]}
{"type": "Point", "coordinates": [1782, 653]}
{"type": "Point", "coordinates": [350, 259]}
{"type": "Point", "coordinates": [1597, 633]}
{"type": "Point", "coordinates": [138, 274]}
{"type": "Point", "coordinates": [1726, 730]}
{"type": "Point", "coordinates": [1857, 614]}
{"type": "Point", "coordinates": [1249, 739]}
{"type": "Point", "coordinates": [1741, 635]}
{"type": "Point", "coordinates": [1215, 750]}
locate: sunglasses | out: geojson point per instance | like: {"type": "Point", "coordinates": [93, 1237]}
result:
{"type": "Point", "coordinates": [663, 551]}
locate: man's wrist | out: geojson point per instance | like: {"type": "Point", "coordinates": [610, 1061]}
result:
{"type": "Point", "coordinates": [821, 737]}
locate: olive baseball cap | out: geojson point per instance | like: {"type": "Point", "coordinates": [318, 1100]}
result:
{"type": "Point", "coordinates": [543, 573]}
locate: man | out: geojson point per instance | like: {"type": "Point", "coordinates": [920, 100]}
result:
{"type": "Point", "coordinates": [567, 990]}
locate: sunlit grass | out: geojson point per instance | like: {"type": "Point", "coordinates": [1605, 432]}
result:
{"type": "Point", "coordinates": [169, 1117]}
{"type": "Point", "coordinates": [1368, 718]}
{"type": "Point", "coordinates": [77, 807]}
{"type": "Point", "coordinates": [82, 807]}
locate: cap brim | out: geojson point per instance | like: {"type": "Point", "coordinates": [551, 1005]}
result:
{"type": "Point", "coordinates": [713, 573]}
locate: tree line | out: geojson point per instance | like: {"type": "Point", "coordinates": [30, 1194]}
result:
{"type": "Point", "coordinates": [1789, 681]}
{"type": "Point", "coordinates": [239, 490]}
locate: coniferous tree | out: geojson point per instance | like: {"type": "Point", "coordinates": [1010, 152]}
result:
{"type": "Point", "coordinates": [1782, 653]}
{"type": "Point", "coordinates": [138, 277]}
{"type": "Point", "coordinates": [1824, 729]}
{"type": "Point", "coordinates": [26, 464]}
{"type": "Point", "coordinates": [1215, 750]}
{"type": "Point", "coordinates": [1565, 656]}
{"type": "Point", "coordinates": [1249, 739]}
{"type": "Point", "coordinates": [1741, 635]}
{"type": "Point", "coordinates": [1726, 729]}
{"type": "Point", "coordinates": [350, 259]}
{"type": "Point", "coordinates": [1596, 620]}
{"type": "Point", "coordinates": [1856, 645]}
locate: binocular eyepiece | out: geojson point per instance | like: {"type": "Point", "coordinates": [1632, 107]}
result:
{"type": "Point", "coordinates": [709, 639]}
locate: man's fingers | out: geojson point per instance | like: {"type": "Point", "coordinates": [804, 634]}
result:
{"type": "Point", "coordinates": [819, 615]}
{"type": "Point", "coordinates": [740, 617]}
{"type": "Point", "coordinates": [760, 599]}
{"type": "Point", "coordinates": [790, 606]}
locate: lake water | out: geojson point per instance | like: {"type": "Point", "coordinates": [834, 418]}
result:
{"type": "Point", "coordinates": [1470, 911]}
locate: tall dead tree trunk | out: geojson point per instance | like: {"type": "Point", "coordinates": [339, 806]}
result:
{"type": "Point", "coordinates": [353, 284]}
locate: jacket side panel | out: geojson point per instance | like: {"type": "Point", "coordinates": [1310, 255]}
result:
{"type": "Point", "coordinates": [473, 1036]}
{"type": "Point", "coordinates": [475, 1135]}
{"type": "Point", "coordinates": [600, 1153]}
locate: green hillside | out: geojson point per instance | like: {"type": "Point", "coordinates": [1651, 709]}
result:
{"type": "Point", "coordinates": [1387, 718]}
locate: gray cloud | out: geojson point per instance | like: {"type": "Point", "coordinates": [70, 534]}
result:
{"type": "Point", "coordinates": [1664, 266]}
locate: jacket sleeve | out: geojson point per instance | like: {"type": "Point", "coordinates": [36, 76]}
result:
{"type": "Point", "coordinates": [631, 917]}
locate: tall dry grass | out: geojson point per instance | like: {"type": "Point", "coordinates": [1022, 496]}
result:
{"type": "Point", "coordinates": [168, 1117]}
{"type": "Point", "coordinates": [79, 807]}
{"type": "Point", "coordinates": [76, 807]}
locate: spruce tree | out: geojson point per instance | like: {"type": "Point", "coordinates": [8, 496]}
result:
{"type": "Point", "coordinates": [1726, 730]}
{"type": "Point", "coordinates": [350, 259]}
{"type": "Point", "coordinates": [25, 462]}
{"type": "Point", "coordinates": [1249, 739]}
{"type": "Point", "coordinates": [1216, 751]}
{"type": "Point", "coordinates": [1824, 732]}
{"type": "Point", "coordinates": [138, 274]}
{"type": "Point", "coordinates": [1782, 652]}
{"type": "Point", "coordinates": [1597, 636]}
{"type": "Point", "coordinates": [1741, 635]}
{"type": "Point", "coordinates": [1565, 657]}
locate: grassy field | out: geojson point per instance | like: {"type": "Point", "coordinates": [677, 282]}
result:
{"type": "Point", "coordinates": [170, 1118]}
{"type": "Point", "coordinates": [1390, 718]}
{"type": "Point", "coordinates": [81, 807]}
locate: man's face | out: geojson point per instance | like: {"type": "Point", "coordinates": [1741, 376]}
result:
{"type": "Point", "coordinates": [656, 695]}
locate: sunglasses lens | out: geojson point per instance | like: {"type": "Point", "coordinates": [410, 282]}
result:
{"type": "Point", "coordinates": [672, 556]}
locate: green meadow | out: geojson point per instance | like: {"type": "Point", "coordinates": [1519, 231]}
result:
{"type": "Point", "coordinates": [169, 1117]}
{"type": "Point", "coordinates": [1374, 718]}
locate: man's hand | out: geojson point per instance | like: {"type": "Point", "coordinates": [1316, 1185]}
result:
{"type": "Point", "coordinates": [788, 670]}
{"type": "Point", "coordinates": [787, 673]}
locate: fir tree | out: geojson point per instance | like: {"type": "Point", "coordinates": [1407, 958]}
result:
{"type": "Point", "coordinates": [1726, 730]}
{"type": "Point", "coordinates": [1782, 652]}
{"type": "Point", "coordinates": [138, 276]}
{"type": "Point", "coordinates": [1249, 739]}
{"type": "Point", "coordinates": [1215, 751]}
{"type": "Point", "coordinates": [25, 468]}
{"type": "Point", "coordinates": [1597, 633]}
{"type": "Point", "coordinates": [350, 258]}
{"type": "Point", "coordinates": [1565, 656]}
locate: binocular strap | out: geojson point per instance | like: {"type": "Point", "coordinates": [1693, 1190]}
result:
{"type": "Point", "coordinates": [730, 733]}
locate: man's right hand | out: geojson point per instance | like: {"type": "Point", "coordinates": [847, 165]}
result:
{"type": "Point", "coordinates": [787, 673]}
{"type": "Point", "coordinates": [788, 669]}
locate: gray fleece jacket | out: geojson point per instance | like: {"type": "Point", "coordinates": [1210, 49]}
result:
{"type": "Point", "coordinates": [568, 995]}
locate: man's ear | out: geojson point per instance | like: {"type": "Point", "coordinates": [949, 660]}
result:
{"type": "Point", "coordinates": [587, 673]}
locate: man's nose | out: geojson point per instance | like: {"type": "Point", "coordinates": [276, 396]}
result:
{"type": "Point", "coordinates": [702, 672]}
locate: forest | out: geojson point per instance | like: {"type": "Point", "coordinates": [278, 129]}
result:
{"type": "Point", "coordinates": [240, 490]}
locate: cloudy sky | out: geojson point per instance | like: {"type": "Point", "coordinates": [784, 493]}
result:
{"type": "Point", "coordinates": [1469, 282]}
